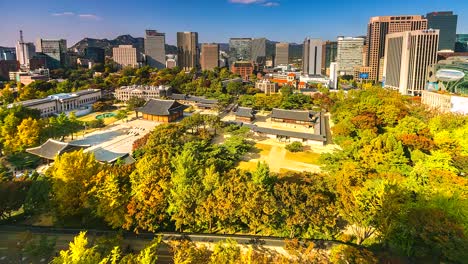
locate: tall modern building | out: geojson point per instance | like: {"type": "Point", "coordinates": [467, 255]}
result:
{"type": "Point", "coordinates": [155, 49]}
{"type": "Point", "coordinates": [408, 55]}
{"type": "Point", "coordinates": [377, 31]}
{"type": "Point", "coordinates": [187, 50]}
{"type": "Point", "coordinates": [7, 54]}
{"type": "Point", "coordinates": [446, 22]}
{"type": "Point", "coordinates": [282, 54]}
{"type": "Point", "coordinates": [259, 50]}
{"type": "Point", "coordinates": [125, 55]}
{"type": "Point", "coordinates": [349, 54]}
{"type": "Point", "coordinates": [95, 54]}
{"type": "Point", "coordinates": [55, 51]}
{"type": "Point", "coordinates": [329, 50]}
{"type": "Point", "coordinates": [312, 57]}
{"type": "Point", "coordinates": [209, 57]}
{"type": "Point", "coordinates": [240, 49]}
{"type": "Point", "coordinates": [24, 51]}
{"type": "Point", "coordinates": [462, 43]}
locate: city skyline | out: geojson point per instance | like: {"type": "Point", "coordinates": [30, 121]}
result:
{"type": "Point", "coordinates": [227, 18]}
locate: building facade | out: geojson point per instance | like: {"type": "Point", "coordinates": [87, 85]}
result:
{"type": "Point", "coordinates": [408, 55]}
{"type": "Point", "coordinates": [312, 57]}
{"type": "Point", "coordinates": [282, 53]}
{"type": "Point", "coordinates": [24, 52]}
{"type": "Point", "coordinates": [209, 57]}
{"type": "Point", "coordinates": [240, 49]}
{"type": "Point", "coordinates": [329, 51]}
{"type": "Point", "coordinates": [349, 54]}
{"type": "Point", "coordinates": [64, 102]}
{"type": "Point", "coordinates": [125, 55]}
{"type": "Point", "coordinates": [155, 49]}
{"type": "Point", "coordinates": [7, 66]}
{"type": "Point", "coordinates": [259, 51]}
{"type": "Point", "coordinates": [146, 92]}
{"type": "Point", "coordinates": [187, 50]}
{"type": "Point", "coordinates": [267, 86]}
{"type": "Point", "coordinates": [95, 54]}
{"type": "Point", "coordinates": [54, 50]}
{"type": "Point", "coordinates": [243, 68]}
{"type": "Point", "coordinates": [445, 102]}
{"type": "Point", "coordinates": [377, 30]}
{"type": "Point", "coordinates": [446, 22]}
{"type": "Point", "coordinates": [164, 111]}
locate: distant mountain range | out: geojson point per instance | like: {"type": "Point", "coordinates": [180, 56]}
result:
{"type": "Point", "coordinates": [295, 50]}
{"type": "Point", "coordinates": [107, 45]}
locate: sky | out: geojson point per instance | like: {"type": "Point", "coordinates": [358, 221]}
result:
{"type": "Point", "coordinates": [214, 20]}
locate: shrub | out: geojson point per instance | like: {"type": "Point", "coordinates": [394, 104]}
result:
{"type": "Point", "coordinates": [295, 147]}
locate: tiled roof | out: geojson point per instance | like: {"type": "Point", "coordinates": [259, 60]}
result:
{"type": "Point", "coordinates": [52, 147]}
{"type": "Point", "coordinates": [245, 112]}
{"type": "Point", "coordinates": [292, 114]}
{"type": "Point", "coordinates": [161, 107]}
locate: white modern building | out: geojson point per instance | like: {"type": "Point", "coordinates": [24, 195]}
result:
{"type": "Point", "coordinates": [64, 102]}
{"type": "Point", "coordinates": [334, 75]}
{"type": "Point", "coordinates": [408, 55]}
{"type": "Point", "coordinates": [125, 55]}
{"type": "Point", "coordinates": [146, 92]}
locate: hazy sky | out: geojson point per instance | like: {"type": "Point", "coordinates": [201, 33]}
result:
{"type": "Point", "coordinates": [214, 20]}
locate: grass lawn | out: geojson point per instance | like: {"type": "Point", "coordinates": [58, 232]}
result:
{"type": "Point", "coordinates": [264, 149]}
{"type": "Point", "coordinates": [305, 157]}
{"type": "Point", "coordinates": [247, 165]}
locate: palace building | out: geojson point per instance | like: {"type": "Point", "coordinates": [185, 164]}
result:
{"type": "Point", "coordinates": [164, 111]}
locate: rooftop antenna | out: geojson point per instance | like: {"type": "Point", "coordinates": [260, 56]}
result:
{"type": "Point", "coordinates": [21, 37]}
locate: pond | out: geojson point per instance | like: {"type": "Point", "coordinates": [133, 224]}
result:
{"type": "Point", "coordinates": [105, 115]}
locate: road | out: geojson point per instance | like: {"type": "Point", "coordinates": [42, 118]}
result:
{"type": "Point", "coordinates": [10, 235]}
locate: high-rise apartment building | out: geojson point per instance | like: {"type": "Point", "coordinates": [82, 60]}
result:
{"type": "Point", "coordinates": [187, 50]}
{"type": "Point", "coordinates": [377, 30]}
{"type": "Point", "coordinates": [259, 50]}
{"type": "Point", "coordinates": [312, 57]}
{"type": "Point", "coordinates": [329, 50]}
{"type": "Point", "coordinates": [240, 49]}
{"type": "Point", "coordinates": [282, 54]}
{"type": "Point", "coordinates": [209, 57]}
{"type": "Point", "coordinates": [125, 55]}
{"type": "Point", "coordinates": [446, 22]}
{"type": "Point", "coordinates": [408, 55]}
{"type": "Point", "coordinates": [155, 49]}
{"type": "Point", "coordinates": [349, 54]}
{"type": "Point", "coordinates": [55, 51]}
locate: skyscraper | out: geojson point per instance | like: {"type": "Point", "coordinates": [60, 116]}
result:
{"type": "Point", "coordinates": [446, 22]}
{"type": "Point", "coordinates": [377, 30]}
{"type": "Point", "coordinates": [349, 54]}
{"type": "Point", "coordinates": [329, 50]}
{"type": "Point", "coordinates": [408, 55]}
{"type": "Point", "coordinates": [259, 50]}
{"type": "Point", "coordinates": [209, 57]}
{"type": "Point", "coordinates": [24, 51]}
{"type": "Point", "coordinates": [282, 54]}
{"type": "Point", "coordinates": [55, 51]}
{"type": "Point", "coordinates": [155, 49]}
{"type": "Point", "coordinates": [125, 55]}
{"type": "Point", "coordinates": [240, 49]}
{"type": "Point", "coordinates": [187, 50]}
{"type": "Point", "coordinates": [312, 57]}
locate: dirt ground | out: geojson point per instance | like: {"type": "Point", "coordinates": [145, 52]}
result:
{"type": "Point", "coordinates": [279, 159]}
